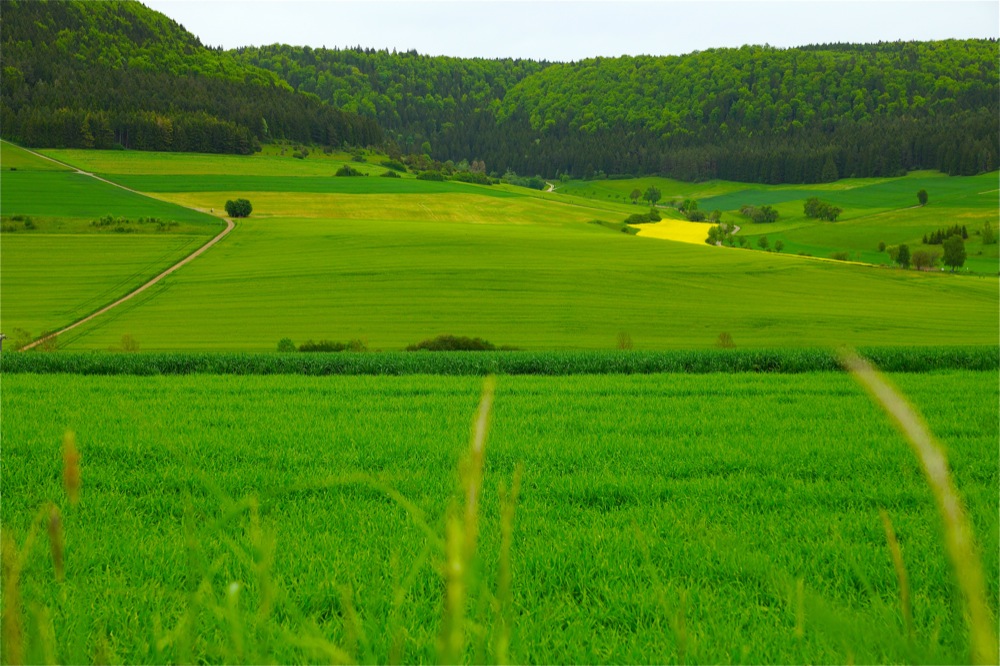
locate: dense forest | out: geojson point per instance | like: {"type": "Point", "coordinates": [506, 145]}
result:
{"type": "Point", "coordinates": [103, 74]}
{"type": "Point", "coordinates": [756, 113]}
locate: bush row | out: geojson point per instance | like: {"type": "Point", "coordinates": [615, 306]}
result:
{"type": "Point", "coordinates": [890, 359]}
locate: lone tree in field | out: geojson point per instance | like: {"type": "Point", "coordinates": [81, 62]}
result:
{"type": "Point", "coordinates": [238, 208]}
{"type": "Point", "coordinates": [634, 196]}
{"type": "Point", "coordinates": [954, 252]}
{"type": "Point", "coordinates": [652, 195]}
{"type": "Point", "coordinates": [922, 197]}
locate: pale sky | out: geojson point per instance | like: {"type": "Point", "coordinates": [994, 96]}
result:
{"type": "Point", "coordinates": [564, 30]}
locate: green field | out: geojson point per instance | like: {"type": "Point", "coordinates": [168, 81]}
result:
{"type": "Point", "coordinates": [52, 280]}
{"type": "Point", "coordinates": [661, 518]}
{"type": "Point", "coordinates": [15, 158]}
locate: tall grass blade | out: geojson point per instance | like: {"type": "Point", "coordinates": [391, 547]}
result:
{"type": "Point", "coordinates": [461, 530]}
{"type": "Point", "coordinates": [904, 581]}
{"type": "Point", "coordinates": [71, 467]}
{"type": "Point", "coordinates": [504, 597]}
{"type": "Point", "coordinates": [959, 541]}
{"type": "Point", "coordinates": [12, 623]}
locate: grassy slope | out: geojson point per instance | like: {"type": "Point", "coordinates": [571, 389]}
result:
{"type": "Point", "coordinates": [15, 158]}
{"type": "Point", "coordinates": [646, 502]}
{"type": "Point", "coordinates": [875, 209]}
{"type": "Point", "coordinates": [399, 270]}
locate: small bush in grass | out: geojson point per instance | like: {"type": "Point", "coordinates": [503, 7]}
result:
{"type": "Point", "coordinates": [390, 174]}
{"type": "Point", "coordinates": [347, 171]}
{"type": "Point", "coordinates": [452, 343]}
{"type": "Point", "coordinates": [328, 346]}
{"type": "Point", "coordinates": [393, 164]}
{"type": "Point", "coordinates": [286, 345]}
{"type": "Point", "coordinates": [725, 341]}
{"type": "Point", "coordinates": [840, 256]}
{"type": "Point", "coordinates": [431, 175]}
{"type": "Point", "coordinates": [624, 341]}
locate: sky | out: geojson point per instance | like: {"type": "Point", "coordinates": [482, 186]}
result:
{"type": "Point", "coordinates": [565, 30]}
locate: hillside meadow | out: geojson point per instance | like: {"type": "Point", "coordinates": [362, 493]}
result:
{"type": "Point", "coordinates": [395, 261]}
{"type": "Point", "coordinates": [874, 210]}
{"type": "Point", "coordinates": [660, 518]}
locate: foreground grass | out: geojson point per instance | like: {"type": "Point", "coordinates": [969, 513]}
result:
{"type": "Point", "coordinates": [661, 518]}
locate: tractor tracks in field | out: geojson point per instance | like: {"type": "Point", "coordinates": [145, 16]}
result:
{"type": "Point", "coordinates": [230, 225]}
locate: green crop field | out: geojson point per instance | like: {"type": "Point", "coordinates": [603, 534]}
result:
{"type": "Point", "coordinates": [52, 280]}
{"type": "Point", "coordinates": [661, 518]}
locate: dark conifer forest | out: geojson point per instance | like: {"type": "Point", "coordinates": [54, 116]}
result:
{"type": "Point", "coordinates": [105, 74]}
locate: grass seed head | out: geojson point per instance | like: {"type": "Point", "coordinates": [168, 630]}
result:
{"type": "Point", "coordinates": [71, 467]}
{"type": "Point", "coordinates": [56, 542]}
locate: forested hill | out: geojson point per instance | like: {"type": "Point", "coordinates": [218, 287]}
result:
{"type": "Point", "coordinates": [416, 98]}
{"type": "Point", "coordinates": [755, 113]}
{"type": "Point", "coordinates": [97, 74]}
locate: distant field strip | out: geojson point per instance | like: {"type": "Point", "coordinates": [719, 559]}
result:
{"type": "Point", "coordinates": [68, 194]}
{"type": "Point", "coordinates": [355, 185]}
{"type": "Point", "coordinates": [661, 518]}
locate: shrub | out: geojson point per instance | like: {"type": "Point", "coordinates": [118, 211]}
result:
{"type": "Point", "coordinates": [286, 345]}
{"type": "Point", "coordinates": [696, 216]}
{"type": "Point", "coordinates": [989, 234]}
{"type": "Point", "coordinates": [328, 346]}
{"type": "Point", "coordinates": [393, 164]}
{"type": "Point", "coordinates": [654, 215]}
{"type": "Point", "coordinates": [624, 341]}
{"type": "Point", "coordinates": [347, 171]}
{"type": "Point", "coordinates": [881, 246]}
{"type": "Point", "coordinates": [390, 174]}
{"type": "Point", "coordinates": [725, 341]}
{"type": "Point", "coordinates": [238, 208]}
{"type": "Point", "coordinates": [840, 256]}
{"type": "Point", "coordinates": [436, 176]}
{"type": "Point", "coordinates": [760, 215]}
{"type": "Point", "coordinates": [820, 209]}
{"type": "Point", "coordinates": [922, 259]}
{"type": "Point", "coordinates": [472, 177]}
{"type": "Point", "coordinates": [452, 343]}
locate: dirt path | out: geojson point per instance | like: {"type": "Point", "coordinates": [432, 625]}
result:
{"type": "Point", "coordinates": [230, 225]}
{"type": "Point", "coordinates": [550, 188]}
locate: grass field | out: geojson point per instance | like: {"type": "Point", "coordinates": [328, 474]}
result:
{"type": "Point", "coordinates": [51, 280]}
{"type": "Point", "coordinates": [661, 518]}
{"type": "Point", "coordinates": [15, 158]}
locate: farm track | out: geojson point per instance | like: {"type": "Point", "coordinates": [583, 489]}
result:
{"type": "Point", "coordinates": [230, 225]}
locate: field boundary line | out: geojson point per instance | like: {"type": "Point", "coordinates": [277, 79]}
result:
{"type": "Point", "coordinates": [230, 225]}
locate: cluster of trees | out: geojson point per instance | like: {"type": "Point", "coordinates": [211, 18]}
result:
{"type": "Point", "coordinates": [107, 74]}
{"type": "Point", "coordinates": [954, 254]}
{"type": "Point", "coordinates": [822, 210]}
{"type": "Point", "coordinates": [759, 214]}
{"type": "Point", "coordinates": [238, 208]}
{"type": "Point", "coordinates": [642, 218]}
{"type": "Point", "coordinates": [939, 236]}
